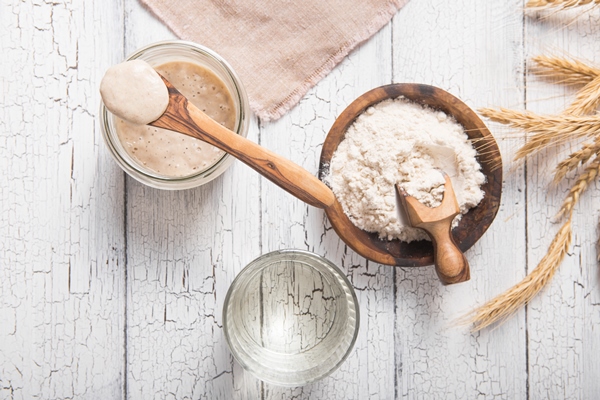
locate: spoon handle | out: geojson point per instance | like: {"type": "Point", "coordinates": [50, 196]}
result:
{"type": "Point", "coordinates": [183, 117]}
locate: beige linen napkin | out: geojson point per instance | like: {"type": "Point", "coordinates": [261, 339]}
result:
{"type": "Point", "coordinates": [279, 48]}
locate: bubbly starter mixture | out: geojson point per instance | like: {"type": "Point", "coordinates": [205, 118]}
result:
{"type": "Point", "coordinates": [397, 141]}
{"type": "Point", "coordinates": [174, 154]}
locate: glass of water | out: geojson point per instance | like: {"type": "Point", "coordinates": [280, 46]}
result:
{"type": "Point", "coordinates": [290, 317]}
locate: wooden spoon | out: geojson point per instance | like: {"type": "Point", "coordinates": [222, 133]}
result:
{"type": "Point", "coordinates": [450, 263]}
{"type": "Point", "coordinates": [182, 116]}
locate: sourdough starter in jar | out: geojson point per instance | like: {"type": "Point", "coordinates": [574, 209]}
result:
{"type": "Point", "coordinates": [171, 153]}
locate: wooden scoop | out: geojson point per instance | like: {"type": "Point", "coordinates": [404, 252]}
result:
{"type": "Point", "coordinates": [450, 263]}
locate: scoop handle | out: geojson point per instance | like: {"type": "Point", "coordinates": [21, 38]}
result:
{"type": "Point", "coordinates": [184, 117]}
{"type": "Point", "coordinates": [451, 264]}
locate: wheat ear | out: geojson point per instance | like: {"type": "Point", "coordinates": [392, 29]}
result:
{"type": "Point", "coordinates": [550, 129]}
{"type": "Point", "coordinates": [559, 3]}
{"type": "Point", "coordinates": [506, 304]}
{"type": "Point", "coordinates": [570, 72]}
{"type": "Point", "coordinates": [576, 159]}
{"type": "Point", "coordinates": [587, 99]}
{"type": "Point", "coordinates": [583, 181]}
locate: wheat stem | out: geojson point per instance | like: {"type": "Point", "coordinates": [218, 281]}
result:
{"type": "Point", "coordinates": [559, 3]}
{"type": "Point", "coordinates": [570, 72]}
{"type": "Point", "coordinates": [581, 184]}
{"type": "Point", "coordinates": [504, 305]}
{"type": "Point", "coordinates": [576, 159]}
{"type": "Point", "coordinates": [550, 129]}
{"type": "Point", "coordinates": [573, 123]}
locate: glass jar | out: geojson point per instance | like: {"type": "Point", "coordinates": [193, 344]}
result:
{"type": "Point", "coordinates": [160, 53]}
{"type": "Point", "coordinates": [290, 317]}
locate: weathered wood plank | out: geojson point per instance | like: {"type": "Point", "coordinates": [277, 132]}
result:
{"type": "Point", "coordinates": [184, 249]}
{"type": "Point", "coordinates": [473, 50]}
{"type": "Point", "coordinates": [289, 223]}
{"type": "Point", "coordinates": [61, 220]}
{"type": "Point", "coordinates": [562, 322]}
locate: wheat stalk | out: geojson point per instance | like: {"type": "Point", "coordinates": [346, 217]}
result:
{"type": "Point", "coordinates": [570, 72]}
{"type": "Point", "coordinates": [576, 159]}
{"type": "Point", "coordinates": [550, 129]}
{"type": "Point", "coordinates": [559, 3]}
{"type": "Point", "coordinates": [506, 304]}
{"type": "Point", "coordinates": [583, 181]}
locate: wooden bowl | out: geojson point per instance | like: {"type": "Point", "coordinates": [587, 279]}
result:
{"type": "Point", "coordinates": [477, 220]}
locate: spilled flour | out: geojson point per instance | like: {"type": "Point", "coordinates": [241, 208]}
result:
{"type": "Point", "coordinates": [397, 141]}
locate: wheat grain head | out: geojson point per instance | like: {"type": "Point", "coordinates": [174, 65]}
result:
{"type": "Point", "coordinates": [570, 72]}
{"type": "Point", "coordinates": [547, 129]}
{"type": "Point", "coordinates": [581, 184]}
{"type": "Point", "coordinates": [587, 99]}
{"type": "Point", "coordinates": [576, 159]}
{"type": "Point", "coordinates": [559, 3]}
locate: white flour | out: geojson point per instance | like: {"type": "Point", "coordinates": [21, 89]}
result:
{"type": "Point", "coordinates": [397, 141]}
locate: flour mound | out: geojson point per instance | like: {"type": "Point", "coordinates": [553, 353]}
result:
{"type": "Point", "coordinates": [397, 141]}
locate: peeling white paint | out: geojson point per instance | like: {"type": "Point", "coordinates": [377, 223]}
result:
{"type": "Point", "coordinates": [62, 249]}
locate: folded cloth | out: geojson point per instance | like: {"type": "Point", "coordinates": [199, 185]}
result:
{"type": "Point", "coordinates": [279, 48]}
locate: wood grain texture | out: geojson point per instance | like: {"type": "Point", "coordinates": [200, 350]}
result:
{"type": "Point", "coordinates": [110, 289]}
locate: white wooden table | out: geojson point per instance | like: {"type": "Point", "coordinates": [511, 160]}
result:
{"type": "Point", "coordinates": [110, 289]}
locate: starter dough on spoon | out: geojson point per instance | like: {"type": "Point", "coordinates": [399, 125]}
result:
{"type": "Point", "coordinates": [134, 91]}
